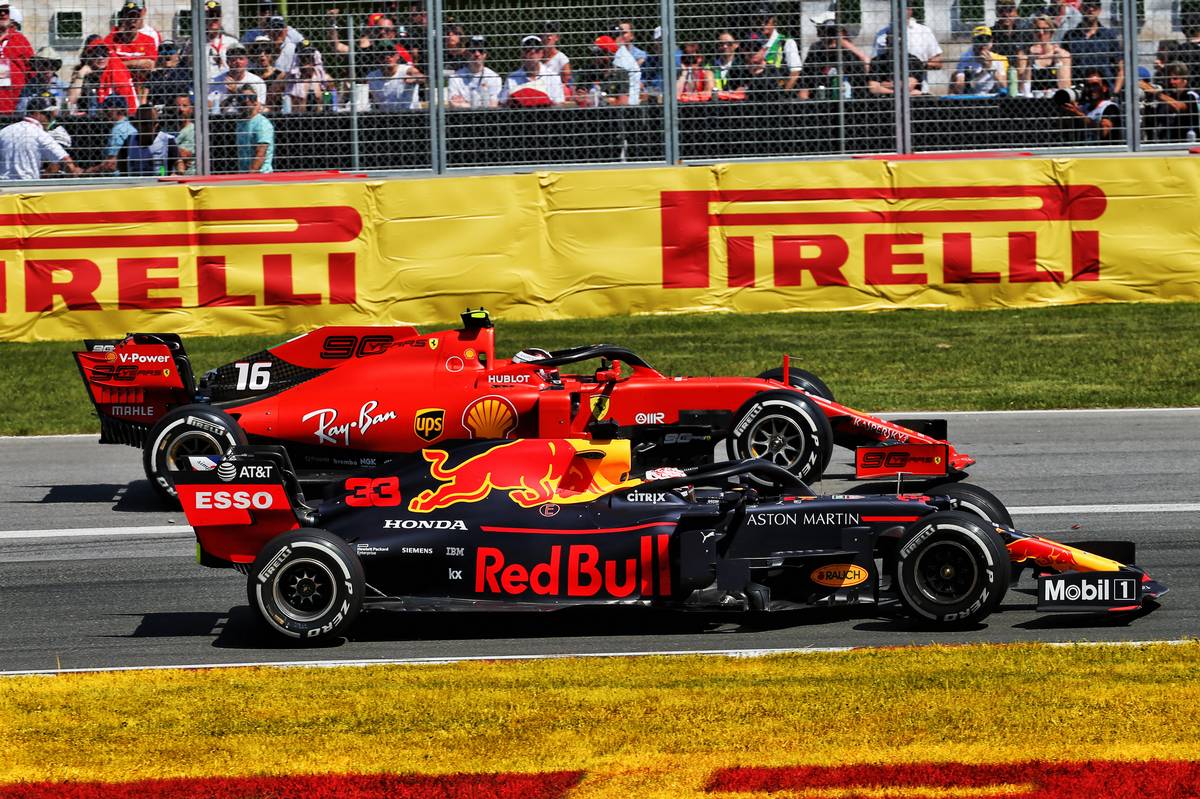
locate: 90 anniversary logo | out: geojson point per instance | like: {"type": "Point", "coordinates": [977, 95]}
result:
{"type": "Point", "coordinates": [823, 250]}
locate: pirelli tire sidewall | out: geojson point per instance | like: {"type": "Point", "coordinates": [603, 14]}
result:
{"type": "Point", "coordinates": [316, 561]}
{"type": "Point", "coordinates": [973, 499]}
{"type": "Point", "coordinates": [204, 426]}
{"type": "Point", "coordinates": [795, 411]}
{"type": "Point", "coordinates": [961, 541]}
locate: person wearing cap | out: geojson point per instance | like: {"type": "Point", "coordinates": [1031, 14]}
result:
{"type": "Point", "coordinates": [557, 62]}
{"type": "Point", "coordinates": [602, 82]}
{"type": "Point", "coordinates": [145, 28]}
{"type": "Point", "coordinates": [833, 63]}
{"type": "Point", "coordinates": [169, 78]}
{"type": "Point", "coordinates": [267, 9]}
{"type": "Point", "coordinates": [122, 129]}
{"type": "Point", "coordinates": [778, 56]}
{"type": "Point", "coordinates": [1094, 45]}
{"type": "Point", "coordinates": [920, 42]}
{"type": "Point", "coordinates": [15, 52]}
{"type": "Point", "coordinates": [529, 84]}
{"type": "Point", "coordinates": [137, 50]}
{"type": "Point", "coordinates": [43, 78]}
{"type": "Point", "coordinates": [26, 145]}
{"type": "Point", "coordinates": [980, 70]}
{"type": "Point", "coordinates": [217, 41]}
{"type": "Point", "coordinates": [230, 83]}
{"type": "Point", "coordinates": [475, 85]}
{"type": "Point", "coordinates": [288, 59]}
{"type": "Point", "coordinates": [396, 84]}
{"type": "Point", "coordinates": [262, 63]}
{"type": "Point", "coordinates": [104, 77]}
{"type": "Point", "coordinates": [255, 136]}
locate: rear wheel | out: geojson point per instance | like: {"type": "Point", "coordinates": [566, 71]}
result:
{"type": "Point", "coordinates": [951, 570]}
{"type": "Point", "coordinates": [190, 431]}
{"type": "Point", "coordinates": [799, 378]}
{"type": "Point", "coordinates": [789, 430]}
{"type": "Point", "coordinates": [306, 584]}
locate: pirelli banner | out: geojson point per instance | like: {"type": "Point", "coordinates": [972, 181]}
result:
{"type": "Point", "coordinates": [867, 235]}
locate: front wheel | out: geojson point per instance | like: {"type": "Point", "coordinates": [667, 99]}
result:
{"type": "Point", "coordinates": [306, 584]}
{"type": "Point", "coordinates": [951, 570]}
{"type": "Point", "coordinates": [975, 500]}
{"type": "Point", "coordinates": [789, 430]}
{"type": "Point", "coordinates": [799, 378]}
{"type": "Point", "coordinates": [188, 432]}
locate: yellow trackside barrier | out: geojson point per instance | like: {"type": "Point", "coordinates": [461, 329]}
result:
{"type": "Point", "coordinates": [865, 235]}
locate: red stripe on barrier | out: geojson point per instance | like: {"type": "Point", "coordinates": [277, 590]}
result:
{"type": "Point", "coordinates": [550, 785]}
{"type": "Point", "coordinates": [1095, 779]}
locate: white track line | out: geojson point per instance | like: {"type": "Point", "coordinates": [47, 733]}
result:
{"type": "Point", "coordinates": [183, 530]}
{"type": "Point", "coordinates": [729, 653]}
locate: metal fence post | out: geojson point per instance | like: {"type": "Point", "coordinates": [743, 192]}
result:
{"type": "Point", "coordinates": [903, 100]}
{"type": "Point", "coordinates": [1133, 112]}
{"type": "Point", "coordinates": [436, 91]}
{"type": "Point", "coordinates": [666, 62]}
{"type": "Point", "coordinates": [352, 41]}
{"type": "Point", "coordinates": [200, 89]}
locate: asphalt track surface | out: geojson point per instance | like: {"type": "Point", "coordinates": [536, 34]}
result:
{"type": "Point", "coordinates": [94, 573]}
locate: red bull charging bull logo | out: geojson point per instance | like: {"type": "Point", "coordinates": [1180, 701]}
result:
{"type": "Point", "coordinates": [532, 471]}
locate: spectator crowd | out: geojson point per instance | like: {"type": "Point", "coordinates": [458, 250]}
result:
{"type": "Point", "coordinates": [142, 85]}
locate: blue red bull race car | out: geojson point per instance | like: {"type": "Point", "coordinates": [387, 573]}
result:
{"type": "Point", "coordinates": [549, 523]}
{"type": "Point", "coordinates": [344, 398]}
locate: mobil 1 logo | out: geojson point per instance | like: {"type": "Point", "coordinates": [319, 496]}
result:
{"type": "Point", "coordinates": [1083, 591]}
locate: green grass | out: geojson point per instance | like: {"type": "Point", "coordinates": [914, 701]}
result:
{"type": "Point", "coordinates": [1087, 356]}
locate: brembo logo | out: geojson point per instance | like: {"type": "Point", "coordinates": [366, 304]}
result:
{"type": "Point", "coordinates": [819, 223]}
{"type": "Point", "coordinates": [163, 280]}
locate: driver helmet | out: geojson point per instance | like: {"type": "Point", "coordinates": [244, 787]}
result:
{"type": "Point", "coordinates": [531, 355]}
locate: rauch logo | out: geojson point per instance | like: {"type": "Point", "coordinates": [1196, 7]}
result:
{"type": "Point", "coordinates": [823, 250]}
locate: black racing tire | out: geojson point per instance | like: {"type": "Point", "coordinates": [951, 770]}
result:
{"type": "Point", "coordinates": [974, 500]}
{"type": "Point", "coordinates": [786, 428]}
{"type": "Point", "coordinates": [799, 378]}
{"type": "Point", "coordinates": [306, 584]}
{"type": "Point", "coordinates": [952, 570]}
{"type": "Point", "coordinates": [186, 431]}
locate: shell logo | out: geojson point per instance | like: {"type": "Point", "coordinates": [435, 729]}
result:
{"type": "Point", "coordinates": [839, 575]}
{"type": "Point", "coordinates": [490, 417]}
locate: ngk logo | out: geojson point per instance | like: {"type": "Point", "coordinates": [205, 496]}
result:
{"type": "Point", "coordinates": [822, 223]}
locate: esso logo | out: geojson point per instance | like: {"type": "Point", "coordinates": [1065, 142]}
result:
{"type": "Point", "coordinates": [239, 500]}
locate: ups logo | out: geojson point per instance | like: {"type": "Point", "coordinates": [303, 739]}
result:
{"type": "Point", "coordinates": [429, 423]}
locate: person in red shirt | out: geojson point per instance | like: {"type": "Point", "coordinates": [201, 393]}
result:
{"type": "Point", "coordinates": [109, 74]}
{"type": "Point", "coordinates": [15, 52]}
{"type": "Point", "coordinates": [135, 49]}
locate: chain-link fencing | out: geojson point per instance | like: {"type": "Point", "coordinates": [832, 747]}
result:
{"type": "Point", "coordinates": [127, 90]}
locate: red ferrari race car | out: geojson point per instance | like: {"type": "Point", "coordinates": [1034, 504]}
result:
{"type": "Point", "coordinates": [344, 398]}
{"type": "Point", "coordinates": [548, 523]}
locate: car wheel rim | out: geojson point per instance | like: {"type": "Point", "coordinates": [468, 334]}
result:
{"type": "Point", "coordinates": [304, 590]}
{"type": "Point", "coordinates": [193, 443]}
{"type": "Point", "coordinates": [945, 572]}
{"type": "Point", "coordinates": [779, 440]}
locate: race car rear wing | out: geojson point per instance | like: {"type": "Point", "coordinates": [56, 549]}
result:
{"type": "Point", "coordinates": [241, 503]}
{"type": "Point", "coordinates": [133, 382]}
